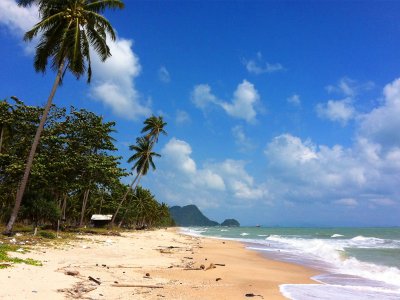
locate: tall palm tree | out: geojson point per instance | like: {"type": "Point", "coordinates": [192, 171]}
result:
{"type": "Point", "coordinates": [67, 29]}
{"type": "Point", "coordinates": [154, 126]}
{"type": "Point", "coordinates": [143, 158]}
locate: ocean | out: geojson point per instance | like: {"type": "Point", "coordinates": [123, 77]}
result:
{"type": "Point", "coordinates": [354, 263]}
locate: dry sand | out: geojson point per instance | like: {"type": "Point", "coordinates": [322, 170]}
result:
{"type": "Point", "coordinates": [165, 263]}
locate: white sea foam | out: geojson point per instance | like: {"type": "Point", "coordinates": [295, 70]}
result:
{"type": "Point", "coordinates": [336, 235]}
{"type": "Point", "coordinates": [244, 234]}
{"type": "Point", "coordinates": [192, 231]}
{"type": "Point", "coordinates": [334, 292]}
{"type": "Point", "coordinates": [333, 253]}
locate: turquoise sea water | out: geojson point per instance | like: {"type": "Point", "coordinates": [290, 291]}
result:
{"type": "Point", "coordinates": [354, 263]}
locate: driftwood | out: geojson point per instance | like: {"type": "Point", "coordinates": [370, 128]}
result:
{"type": "Point", "coordinates": [137, 285]}
{"type": "Point", "coordinates": [211, 266]}
{"type": "Point", "coordinates": [193, 269]}
{"type": "Point", "coordinates": [94, 280]}
{"type": "Point", "coordinates": [126, 267]}
{"type": "Point", "coordinates": [221, 265]}
{"type": "Point", "coordinates": [253, 295]}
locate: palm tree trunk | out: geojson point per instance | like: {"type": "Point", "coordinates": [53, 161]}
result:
{"type": "Point", "coordinates": [24, 181]}
{"type": "Point", "coordinates": [85, 200]}
{"type": "Point", "coordinates": [1, 137]}
{"type": "Point", "coordinates": [64, 206]}
{"type": "Point", "coordinates": [123, 199]}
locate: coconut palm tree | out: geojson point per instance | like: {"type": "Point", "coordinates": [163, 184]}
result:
{"type": "Point", "coordinates": [143, 158]}
{"type": "Point", "coordinates": [67, 29]}
{"type": "Point", "coordinates": [154, 126]}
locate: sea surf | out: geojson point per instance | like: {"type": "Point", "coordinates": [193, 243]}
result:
{"type": "Point", "coordinates": [354, 263]}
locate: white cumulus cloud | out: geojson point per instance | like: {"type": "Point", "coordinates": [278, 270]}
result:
{"type": "Point", "coordinates": [382, 124]}
{"type": "Point", "coordinates": [19, 20]}
{"type": "Point", "coordinates": [242, 106]}
{"type": "Point", "coordinates": [16, 18]}
{"type": "Point", "coordinates": [113, 81]}
{"type": "Point", "coordinates": [341, 111]}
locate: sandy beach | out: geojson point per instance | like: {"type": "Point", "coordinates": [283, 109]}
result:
{"type": "Point", "coordinates": [159, 264]}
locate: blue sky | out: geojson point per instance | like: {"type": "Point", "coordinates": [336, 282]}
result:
{"type": "Point", "coordinates": [279, 113]}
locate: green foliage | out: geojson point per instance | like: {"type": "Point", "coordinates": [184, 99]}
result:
{"type": "Point", "coordinates": [4, 258]}
{"type": "Point", "coordinates": [75, 173]}
{"type": "Point", "coordinates": [48, 235]}
{"type": "Point", "coordinates": [66, 31]}
{"type": "Point", "coordinates": [190, 215]}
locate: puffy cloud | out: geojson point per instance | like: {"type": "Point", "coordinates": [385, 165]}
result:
{"type": "Point", "coordinates": [19, 20]}
{"type": "Point", "coordinates": [16, 18]}
{"type": "Point", "coordinates": [257, 66]}
{"type": "Point", "coordinates": [113, 81]}
{"type": "Point", "coordinates": [201, 96]}
{"type": "Point", "coordinates": [294, 100]}
{"type": "Point", "coordinates": [213, 184]}
{"type": "Point", "coordinates": [382, 124]}
{"type": "Point", "coordinates": [341, 111]}
{"type": "Point", "coordinates": [164, 75]}
{"type": "Point", "coordinates": [242, 106]}
{"type": "Point", "coordinates": [178, 152]}
{"type": "Point", "coordinates": [244, 99]}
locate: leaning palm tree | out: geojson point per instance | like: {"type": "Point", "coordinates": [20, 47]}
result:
{"type": "Point", "coordinates": [67, 29]}
{"type": "Point", "coordinates": [143, 158]}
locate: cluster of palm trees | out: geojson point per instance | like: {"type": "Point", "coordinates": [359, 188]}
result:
{"type": "Point", "coordinates": [67, 30]}
{"type": "Point", "coordinates": [143, 156]}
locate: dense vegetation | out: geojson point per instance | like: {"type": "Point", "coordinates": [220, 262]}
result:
{"type": "Point", "coordinates": [190, 215]}
{"type": "Point", "coordinates": [230, 223]}
{"type": "Point", "coordinates": [75, 172]}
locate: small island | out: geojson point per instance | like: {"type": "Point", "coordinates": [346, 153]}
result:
{"type": "Point", "coordinates": [230, 223]}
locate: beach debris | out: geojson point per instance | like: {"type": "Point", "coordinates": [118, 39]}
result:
{"type": "Point", "coordinates": [211, 266]}
{"type": "Point", "coordinates": [137, 285]}
{"type": "Point", "coordinates": [221, 265]}
{"type": "Point", "coordinates": [94, 280]}
{"type": "Point", "coordinates": [165, 251]}
{"type": "Point", "coordinates": [253, 295]}
{"type": "Point", "coordinates": [202, 267]}
{"type": "Point", "coordinates": [71, 272]}
{"type": "Point", "coordinates": [188, 257]}
{"type": "Point", "coordinates": [77, 290]}
{"type": "Point", "coordinates": [147, 274]}
{"type": "Point", "coordinates": [218, 279]}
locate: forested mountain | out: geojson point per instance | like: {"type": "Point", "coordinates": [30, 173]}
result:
{"type": "Point", "coordinates": [190, 215]}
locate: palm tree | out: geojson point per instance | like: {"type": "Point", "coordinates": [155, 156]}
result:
{"type": "Point", "coordinates": [68, 29]}
{"type": "Point", "coordinates": [154, 126]}
{"type": "Point", "coordinates": [143, 158]}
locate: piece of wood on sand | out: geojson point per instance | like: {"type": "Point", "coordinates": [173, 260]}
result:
{"type": "Point", "coordinates": [94, 280]}
{"type": "Point", "coordinates": [137, 285]}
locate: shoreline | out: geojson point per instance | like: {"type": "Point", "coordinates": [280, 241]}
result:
{"type": "Point", "coordinates": [162, 264]}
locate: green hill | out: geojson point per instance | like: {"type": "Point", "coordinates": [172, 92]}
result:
{"type": "Point", "coordinates": [230, 223]}
{"type": "Point", "coordinates": [190, 215]}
